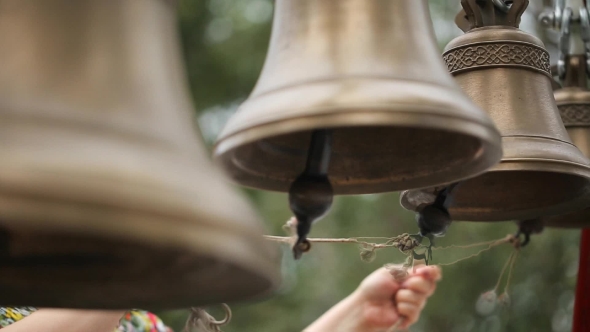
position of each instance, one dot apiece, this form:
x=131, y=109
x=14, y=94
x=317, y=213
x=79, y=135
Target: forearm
x=346, y=316
x=59, y=320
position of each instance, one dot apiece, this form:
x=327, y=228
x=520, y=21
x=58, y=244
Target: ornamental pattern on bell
x=493, y=54
x=575, y=114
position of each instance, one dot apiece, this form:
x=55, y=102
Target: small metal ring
x=501, y=4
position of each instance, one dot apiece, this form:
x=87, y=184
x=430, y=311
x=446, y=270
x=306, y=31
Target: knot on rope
x=406, y=243
x=515, y=241
x=201, y=321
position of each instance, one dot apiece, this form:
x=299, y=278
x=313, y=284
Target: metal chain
x=585, y=35
x=562, y=19
x=552, y=19
x=564, y=41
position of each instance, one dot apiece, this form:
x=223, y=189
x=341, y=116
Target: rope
x=201, y=321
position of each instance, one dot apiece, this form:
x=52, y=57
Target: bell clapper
x=526, y=228
x=434, y=219
x=311, y=194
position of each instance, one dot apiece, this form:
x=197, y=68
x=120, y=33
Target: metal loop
x=558, y=13
x=501, y=4
x=564, y=42
x=552, y=19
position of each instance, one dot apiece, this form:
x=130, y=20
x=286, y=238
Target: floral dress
x=132, y=321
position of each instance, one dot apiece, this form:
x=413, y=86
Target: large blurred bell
x=107, y=197
x=573, y=101
x=506, y=72
x=371, y=72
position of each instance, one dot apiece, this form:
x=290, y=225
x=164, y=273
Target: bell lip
x=246, y=251
x=574, y=220
x=489, y=137
x=378, y=102
x=521, y=165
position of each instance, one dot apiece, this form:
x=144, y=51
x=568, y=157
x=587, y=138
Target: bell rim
x=341, y=120
x=168, y=231
x=564, y=222
x=245, y=257
x=519, y=165
x=490, y=138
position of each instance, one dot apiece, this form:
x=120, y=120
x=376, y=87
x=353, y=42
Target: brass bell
x=573, y=101
x=371, y=73
x=506, y=72
x=107, y=197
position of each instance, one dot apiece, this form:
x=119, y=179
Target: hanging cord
x=201, y=321
x=406, y=243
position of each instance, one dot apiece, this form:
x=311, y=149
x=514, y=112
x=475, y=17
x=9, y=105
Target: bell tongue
x=491, y=13
x=311, y=194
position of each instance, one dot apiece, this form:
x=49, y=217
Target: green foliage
x=225, y=43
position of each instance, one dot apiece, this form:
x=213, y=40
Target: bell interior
x=365, y=159
x=74, y=271
x=507, y=195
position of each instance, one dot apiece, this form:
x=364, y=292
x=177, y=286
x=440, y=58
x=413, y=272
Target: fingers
x=423, y=280
x=409, y=305
x=409, y=311
x=429, y=272
x=411, y=297
x=420, y=285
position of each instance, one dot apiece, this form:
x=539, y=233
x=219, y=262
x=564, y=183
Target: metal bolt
x=547, y=19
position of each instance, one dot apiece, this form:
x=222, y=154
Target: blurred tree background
x=225, y=43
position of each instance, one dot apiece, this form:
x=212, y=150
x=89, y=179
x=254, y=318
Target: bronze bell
x=370, y=71
x=506, y=72
x=107, y=196
x=573, y=101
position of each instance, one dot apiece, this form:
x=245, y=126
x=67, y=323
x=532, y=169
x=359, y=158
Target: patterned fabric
x=133, y=321
x=11, y=315
x=141, y=321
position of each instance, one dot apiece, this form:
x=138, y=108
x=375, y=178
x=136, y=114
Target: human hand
x=385, y=300
x=380, y=302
